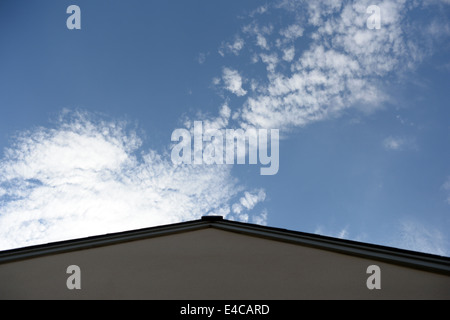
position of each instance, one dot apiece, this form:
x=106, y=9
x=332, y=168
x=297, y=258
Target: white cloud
x=392, y=143
x=271, y=61
x=262, y=41
x=233, y=81
x=87, y=177
x=234, y=47
x=399, y=143
x=260, y=33
x=260, y=10
x=341, y=234
x=237, y=208
x=260, y=219
x=292, y=32
x=214, y=123
x=249, y=200
x=289, y=54
x=344, y=66
x=216, y=81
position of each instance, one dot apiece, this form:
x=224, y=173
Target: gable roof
x=412, y=259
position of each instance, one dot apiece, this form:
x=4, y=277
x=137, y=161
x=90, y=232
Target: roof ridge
x=425, y=261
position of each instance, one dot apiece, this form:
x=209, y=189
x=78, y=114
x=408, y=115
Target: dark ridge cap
x=212, y=218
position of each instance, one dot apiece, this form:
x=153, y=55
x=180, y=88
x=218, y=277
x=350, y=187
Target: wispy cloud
x=201, y=57
x=245, y=204
x=391, y=143
x=446, y=187
x=86, y=177
x=260, y=10
x=416, y=236
x=410, y=235
x=341, y=234
x=249, y=201
x=259, y=34
x=234, y=48
x=399, y=143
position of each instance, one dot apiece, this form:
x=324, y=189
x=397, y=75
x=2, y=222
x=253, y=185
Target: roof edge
x=98, y=240
x=408, y=258
x=413, y=259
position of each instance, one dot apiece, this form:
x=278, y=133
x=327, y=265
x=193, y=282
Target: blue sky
x=86, y=117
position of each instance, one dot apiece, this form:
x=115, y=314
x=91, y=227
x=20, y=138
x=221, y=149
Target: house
x=217, y=259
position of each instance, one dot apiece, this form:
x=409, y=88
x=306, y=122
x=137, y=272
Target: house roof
x=417, y=260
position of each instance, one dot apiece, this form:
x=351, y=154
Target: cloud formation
x=86, y=177
x=233, y=82
x=343, y=65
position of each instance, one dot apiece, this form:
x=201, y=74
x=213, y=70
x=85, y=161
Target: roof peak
x=212, y=218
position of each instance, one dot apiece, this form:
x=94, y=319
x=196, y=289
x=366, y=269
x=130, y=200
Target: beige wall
x=213, y=264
